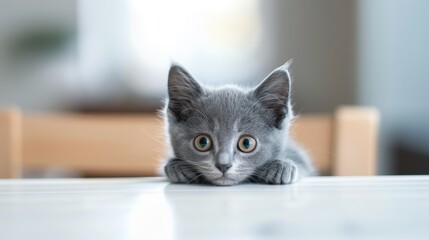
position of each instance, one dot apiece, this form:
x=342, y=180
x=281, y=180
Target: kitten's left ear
x=274, y=93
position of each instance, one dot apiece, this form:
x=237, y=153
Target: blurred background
x=113, y=56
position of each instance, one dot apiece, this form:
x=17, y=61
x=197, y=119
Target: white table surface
x=151, y=208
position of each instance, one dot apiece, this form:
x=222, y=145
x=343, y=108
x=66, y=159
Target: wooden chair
x=344, y=143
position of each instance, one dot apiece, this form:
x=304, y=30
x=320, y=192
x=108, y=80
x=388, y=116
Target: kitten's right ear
x=182, y=91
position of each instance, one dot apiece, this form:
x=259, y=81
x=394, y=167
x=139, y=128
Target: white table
x=151, y=208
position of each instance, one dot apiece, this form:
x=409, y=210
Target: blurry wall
x=320, y=36
x=393, y=50
x=116, y=58
x=37, y=54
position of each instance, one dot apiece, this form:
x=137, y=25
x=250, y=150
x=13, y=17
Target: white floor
x=150, y=208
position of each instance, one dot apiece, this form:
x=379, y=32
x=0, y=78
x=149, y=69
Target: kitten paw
x=278, y=172
x=179, y=171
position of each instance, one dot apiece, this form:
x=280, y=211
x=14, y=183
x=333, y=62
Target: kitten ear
x=274, y=93
x=182, y=91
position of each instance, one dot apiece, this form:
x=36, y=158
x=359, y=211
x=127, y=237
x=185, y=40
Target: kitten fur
x=226, y=114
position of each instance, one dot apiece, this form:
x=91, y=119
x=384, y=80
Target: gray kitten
x=230, y=135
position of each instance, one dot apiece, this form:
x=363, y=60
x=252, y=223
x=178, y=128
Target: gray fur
x=225, y=114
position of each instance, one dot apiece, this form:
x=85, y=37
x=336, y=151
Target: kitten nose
x=223, y=167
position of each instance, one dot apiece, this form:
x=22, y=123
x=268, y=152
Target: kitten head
x=227, y=133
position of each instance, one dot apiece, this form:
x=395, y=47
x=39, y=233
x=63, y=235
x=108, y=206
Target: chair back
x=344, y=143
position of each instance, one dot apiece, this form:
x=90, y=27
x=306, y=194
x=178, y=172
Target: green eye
x=203, y=143
x=247, y=144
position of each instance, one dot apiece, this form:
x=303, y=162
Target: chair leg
x=10, y=143
x=355, y=141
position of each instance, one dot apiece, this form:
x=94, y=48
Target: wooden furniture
x=342, y=144
x=377, y=207
x=10, y=144
x=134, y=145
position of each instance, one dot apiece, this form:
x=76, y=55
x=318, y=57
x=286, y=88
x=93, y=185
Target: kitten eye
x=246, y=144
x=202, y=143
